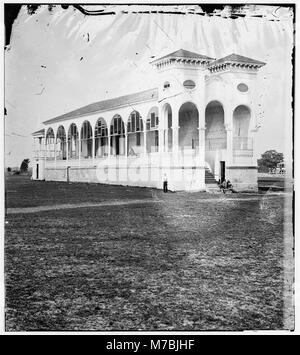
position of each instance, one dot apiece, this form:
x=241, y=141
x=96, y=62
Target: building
x=197, y=126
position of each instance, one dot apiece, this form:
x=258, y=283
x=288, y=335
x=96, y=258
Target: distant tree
x=269, y=160
x=24, y=166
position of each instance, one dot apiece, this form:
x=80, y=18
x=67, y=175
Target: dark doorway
x=222, y=170
x=37, y=171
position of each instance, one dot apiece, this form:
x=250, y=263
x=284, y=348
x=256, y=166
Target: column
x=161, y=125
x=228, y=118
x=175, y=129
x=254, y=151
x=55, y=143
x=45, y=152
x=161, y=140
x=229, y=137
x=108, y=148
x=93, y=148
x=201, y=106
x=145, y=141
x=126, y=145
x=79, y=147
x=166, y=139
x=175, y=135
x=67, y=150
x=43, y=157
x=201, y=159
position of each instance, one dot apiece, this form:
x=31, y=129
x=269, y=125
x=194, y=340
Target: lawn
x=184, y=262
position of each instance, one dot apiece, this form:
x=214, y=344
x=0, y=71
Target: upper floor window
x=242, y=87
x=117, y=126
x=152, y=121
x=189, y=84
x=101, y=128
x=135, y=123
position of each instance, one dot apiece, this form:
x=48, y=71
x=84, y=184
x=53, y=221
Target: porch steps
x=211, y=183
x=209, y=177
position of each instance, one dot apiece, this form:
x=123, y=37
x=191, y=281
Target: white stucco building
x=197, y=126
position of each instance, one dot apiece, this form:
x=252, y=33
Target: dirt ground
x=147, y=261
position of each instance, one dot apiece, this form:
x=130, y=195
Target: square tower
x=180, y=72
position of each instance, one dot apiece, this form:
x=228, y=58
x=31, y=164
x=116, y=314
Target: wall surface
x=243, y=178
x=188, y=179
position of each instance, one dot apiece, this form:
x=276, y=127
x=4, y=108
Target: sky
x=60, y=60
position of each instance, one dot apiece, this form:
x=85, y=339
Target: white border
x=296, y=175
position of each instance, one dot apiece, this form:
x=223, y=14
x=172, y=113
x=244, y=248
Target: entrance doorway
x=222, y=171
x=37, y=171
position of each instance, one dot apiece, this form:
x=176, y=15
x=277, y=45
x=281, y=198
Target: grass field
x=184, y=262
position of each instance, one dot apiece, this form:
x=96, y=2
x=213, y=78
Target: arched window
x=152, y=119
x=73, y=142
x=50, y=144
x=135, y=128
x=135, y=123
x=152, y=130
x=101, y=138
x=86, y=138
x=61, y=144
x=117, y=133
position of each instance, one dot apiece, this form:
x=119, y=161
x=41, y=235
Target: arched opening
x=86, y=138
x=152, y=130
x=215, y=139
x=117, y=136
x=50, y=144
x=73, y=142
x=241, y=123
x=215, y=133
x=135, y=134
x=101, y=138
x=61, y=144
x=188, y=137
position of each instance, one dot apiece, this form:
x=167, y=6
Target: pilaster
x=202, y=145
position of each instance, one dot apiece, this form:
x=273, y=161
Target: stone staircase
x=210, y=182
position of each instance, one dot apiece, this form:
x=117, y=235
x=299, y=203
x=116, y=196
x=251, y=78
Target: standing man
x=165, y=183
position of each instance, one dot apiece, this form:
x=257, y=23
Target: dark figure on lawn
x=223, y=186
x=230, y=186
x=165, y=183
